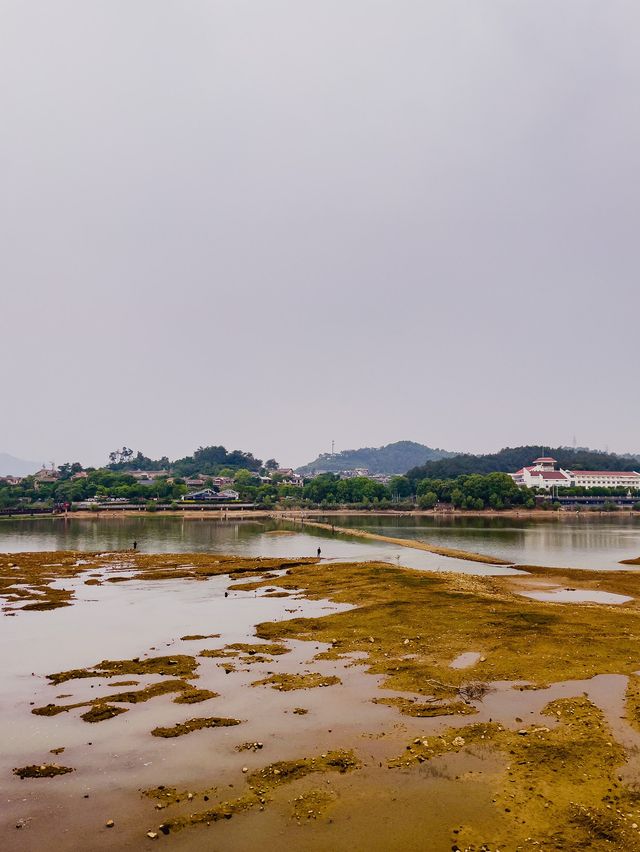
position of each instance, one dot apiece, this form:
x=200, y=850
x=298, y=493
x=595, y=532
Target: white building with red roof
x=543, y=474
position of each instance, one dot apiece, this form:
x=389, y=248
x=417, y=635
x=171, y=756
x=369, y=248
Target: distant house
x=210, y=494
x=196, y=482
x=81, y=474
x=143, y=476
x=46, y=474
x=288, y=476
x=11, y=480
x=220, y=481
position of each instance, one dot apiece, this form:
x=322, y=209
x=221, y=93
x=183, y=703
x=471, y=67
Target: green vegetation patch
x=190, y=725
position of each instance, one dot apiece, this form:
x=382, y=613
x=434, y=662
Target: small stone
x=483, y=659
x=458, y=742
x=109, y=823
x=245, y=768
x=152, y=835
x=189, y=796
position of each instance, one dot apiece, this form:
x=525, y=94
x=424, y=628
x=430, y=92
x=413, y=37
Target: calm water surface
x=594, y=542
x=588, y=542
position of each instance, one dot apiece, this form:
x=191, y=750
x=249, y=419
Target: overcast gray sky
x=275, y=223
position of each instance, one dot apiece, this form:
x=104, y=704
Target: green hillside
x=392, y=458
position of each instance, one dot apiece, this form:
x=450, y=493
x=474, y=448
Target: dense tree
x=392, y=458
x=513, y=458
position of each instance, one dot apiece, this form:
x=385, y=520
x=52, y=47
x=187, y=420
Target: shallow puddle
x=577, y=596
x=465, y=660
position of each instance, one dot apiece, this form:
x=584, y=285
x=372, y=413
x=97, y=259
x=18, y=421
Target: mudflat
x=341, y=705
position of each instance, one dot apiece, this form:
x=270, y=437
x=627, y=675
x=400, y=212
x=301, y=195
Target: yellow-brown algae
x=26, y=579
x=632, y=701
x=313, y=803
x=43, y=770
x=286, y=682
x=559, y=788
x=187, y=695
x=194, y=696
x=426, y=709
x=260, y=784
x=419, y=621
x=178, y=665
x=193, y=637
x=100, y=712
x=190, y=725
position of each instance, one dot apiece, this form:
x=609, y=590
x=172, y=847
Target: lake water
x=594, y=542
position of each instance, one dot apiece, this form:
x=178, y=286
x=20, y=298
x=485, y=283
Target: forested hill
x=511, y=459
x=392, y=458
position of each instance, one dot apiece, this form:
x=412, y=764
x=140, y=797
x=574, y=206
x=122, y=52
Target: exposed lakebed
x=325, y=713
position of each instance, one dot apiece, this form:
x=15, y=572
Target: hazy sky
x=275, y=223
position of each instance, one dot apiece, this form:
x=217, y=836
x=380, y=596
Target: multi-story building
x=543, y=474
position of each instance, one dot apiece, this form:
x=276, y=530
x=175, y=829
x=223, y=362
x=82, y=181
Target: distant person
x=319, y=552
x=135, y=545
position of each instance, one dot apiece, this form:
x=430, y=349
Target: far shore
x=298, y=515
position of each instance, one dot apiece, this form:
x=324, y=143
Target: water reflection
x=586, y=542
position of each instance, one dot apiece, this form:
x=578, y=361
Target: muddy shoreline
x=301, y=514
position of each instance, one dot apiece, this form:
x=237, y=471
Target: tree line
x=511, y=459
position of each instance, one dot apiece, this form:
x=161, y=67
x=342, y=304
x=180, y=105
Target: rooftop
x=605, y=473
